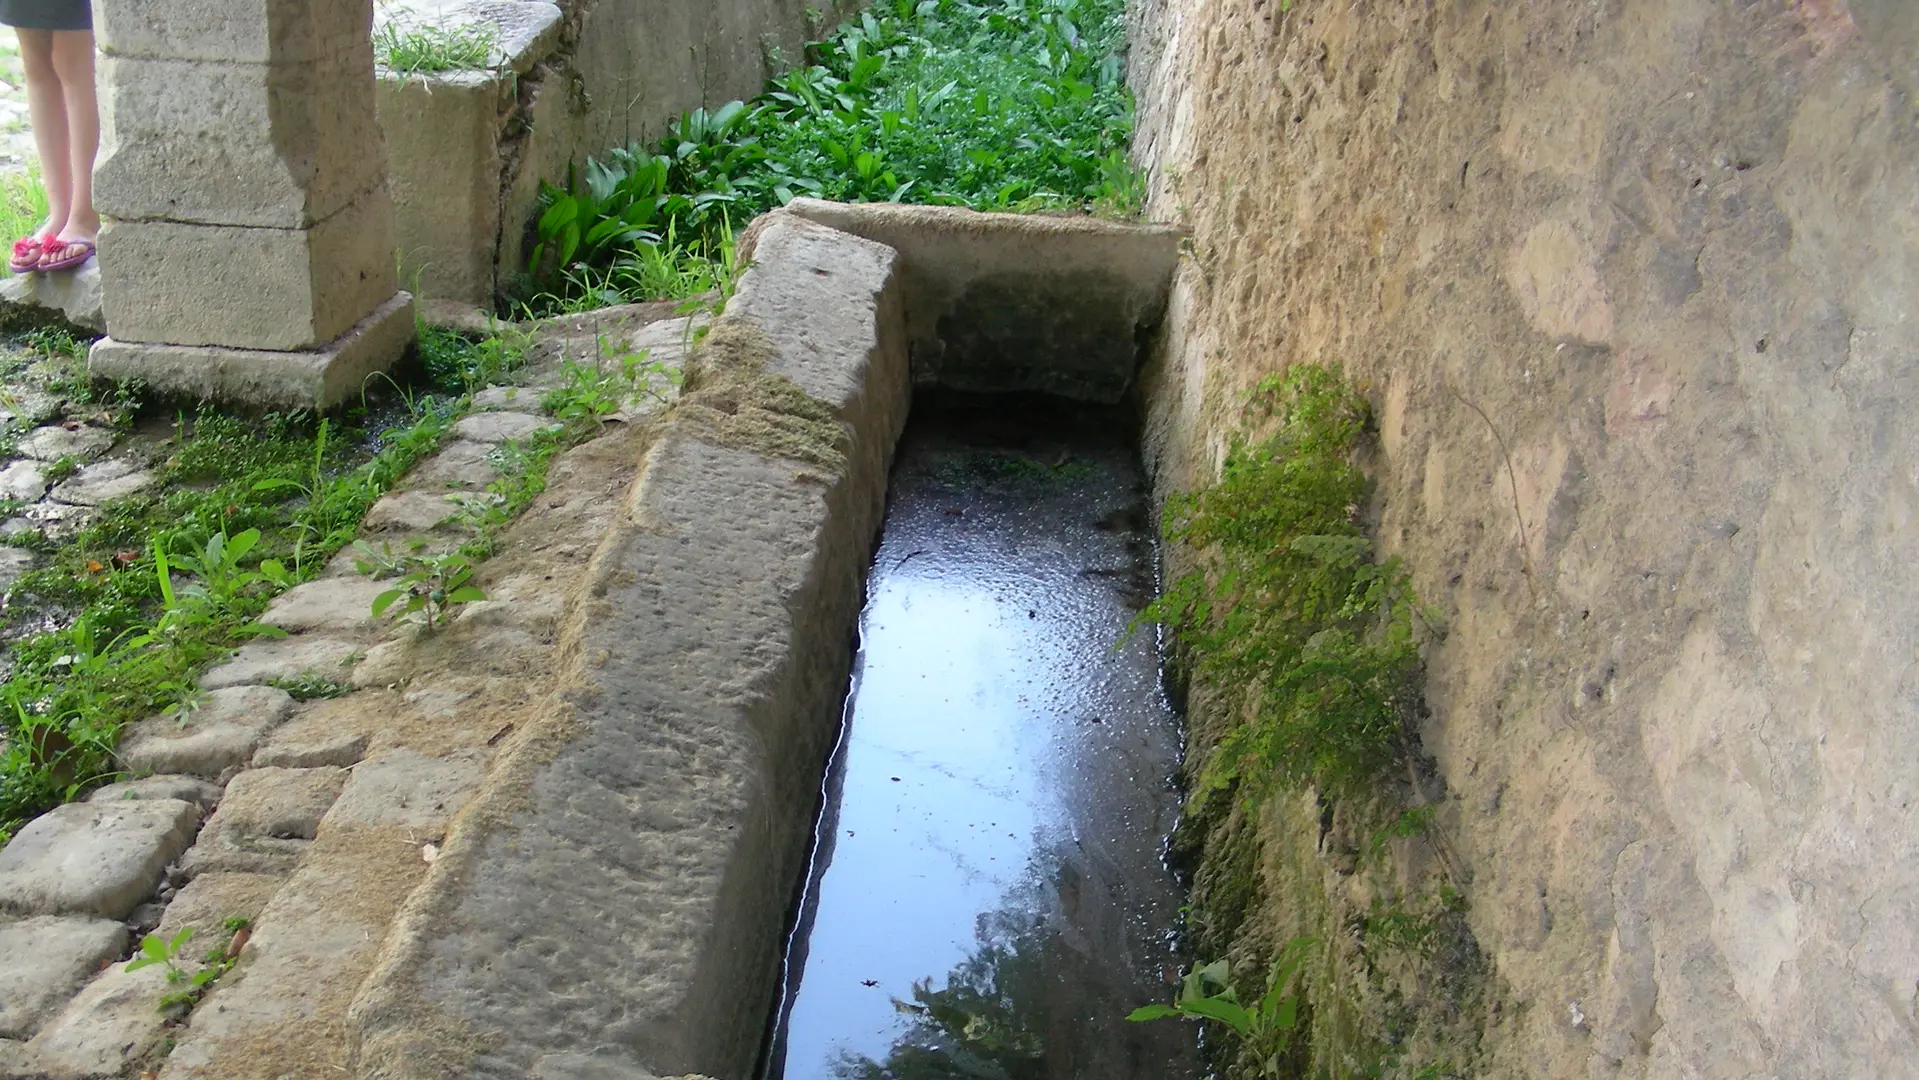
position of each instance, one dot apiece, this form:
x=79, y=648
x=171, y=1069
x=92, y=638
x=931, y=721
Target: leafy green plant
x=603, y=209
x=429, y=590
x=1122, y=188
x=1267, y=1027
x=56, y=343
x=1002, y=104
x=312, y=687
x=218, y=567
x=459, y=362
x=1287, y=610
x=184, y=987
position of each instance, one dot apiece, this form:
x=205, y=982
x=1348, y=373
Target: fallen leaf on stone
x=429, y=852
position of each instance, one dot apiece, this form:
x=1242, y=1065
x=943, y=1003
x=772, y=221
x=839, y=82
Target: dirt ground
x=1630, y=284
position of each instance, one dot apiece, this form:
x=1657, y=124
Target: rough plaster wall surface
x=1633, y=285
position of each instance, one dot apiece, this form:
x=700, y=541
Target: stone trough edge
x=411, y=1014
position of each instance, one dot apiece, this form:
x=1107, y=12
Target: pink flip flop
x=69, y=262
x=26, y=255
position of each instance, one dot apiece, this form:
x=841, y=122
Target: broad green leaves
x=1005, y=104
x=1269, y=1026
x=429, y=588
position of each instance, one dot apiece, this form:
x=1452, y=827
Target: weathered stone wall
x=469, y=150
x=1631, y=281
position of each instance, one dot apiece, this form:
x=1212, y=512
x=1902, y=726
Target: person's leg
x=47, y=110
x=73, y=64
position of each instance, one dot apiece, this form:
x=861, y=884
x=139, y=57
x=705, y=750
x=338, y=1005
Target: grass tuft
x=426, y=50
x=23, y=207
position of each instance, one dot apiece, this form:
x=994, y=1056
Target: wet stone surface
x=989, y=861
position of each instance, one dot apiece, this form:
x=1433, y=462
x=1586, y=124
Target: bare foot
x=68, y=251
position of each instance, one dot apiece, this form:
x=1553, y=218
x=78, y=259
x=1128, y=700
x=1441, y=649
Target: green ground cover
x=119, y=617
x=997, y=105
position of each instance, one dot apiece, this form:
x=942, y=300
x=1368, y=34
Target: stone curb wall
x=663, y=799
x=1038, y=302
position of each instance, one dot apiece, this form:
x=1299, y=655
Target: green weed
x=522, y=466
x=160, y=585
x=588, y=394
x=460, y=364
x=1288, y=610
x=185, y=988
x=23, y=206
x=429, y=588
x=1268, y=1028
x=311, y=687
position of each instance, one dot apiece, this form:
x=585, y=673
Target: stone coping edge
x=639, y=842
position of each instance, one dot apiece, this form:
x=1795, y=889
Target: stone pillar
x=248, y=250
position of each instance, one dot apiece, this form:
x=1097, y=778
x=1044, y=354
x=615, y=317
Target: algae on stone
x=728, y=397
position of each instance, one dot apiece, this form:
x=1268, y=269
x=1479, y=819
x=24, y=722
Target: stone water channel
x=987, y=896
x=619, y=752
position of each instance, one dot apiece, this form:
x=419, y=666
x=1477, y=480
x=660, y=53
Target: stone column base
x=315, y=379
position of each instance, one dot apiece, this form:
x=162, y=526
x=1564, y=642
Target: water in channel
x=987, y=897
